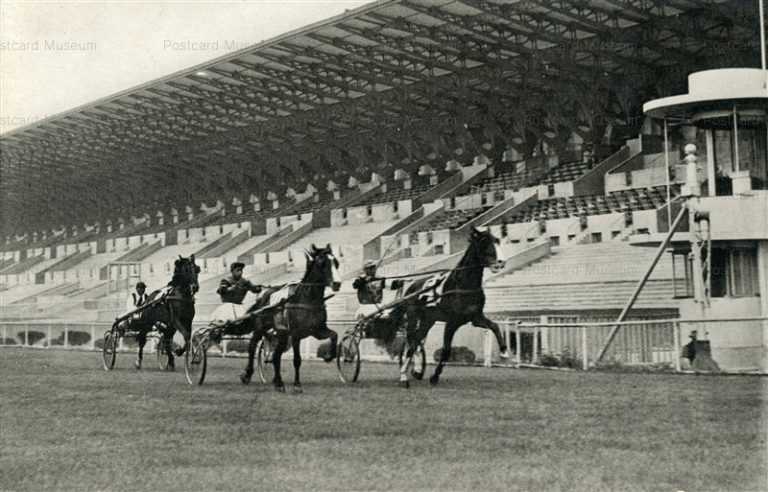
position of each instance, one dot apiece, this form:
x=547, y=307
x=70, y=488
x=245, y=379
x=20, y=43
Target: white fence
x=545, y=342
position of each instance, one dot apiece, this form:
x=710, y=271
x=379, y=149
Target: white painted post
x=584, y=357
x=519, y=345
x=544, y=334
x=50, y=330
x=506, y=333
x=535, y=358
x=66, y=336
x=26, y=335
x=487, y=362
x=93, y=337
x=676, y=343
x=224, y=348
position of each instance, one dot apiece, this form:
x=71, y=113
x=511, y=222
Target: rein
x=430, y=272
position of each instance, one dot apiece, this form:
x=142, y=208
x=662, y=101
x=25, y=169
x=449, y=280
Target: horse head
x=488, y=249
x=185, y=273
x=323, y=267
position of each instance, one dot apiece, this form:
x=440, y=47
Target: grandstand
x=402, y=124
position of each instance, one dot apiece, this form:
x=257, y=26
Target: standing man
x=232, y=290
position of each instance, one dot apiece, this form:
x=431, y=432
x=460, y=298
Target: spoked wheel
x=348, y=358
x=264, y=353
x=162, y=353
x=196, y=359
x=419, y=366
x=109, y=350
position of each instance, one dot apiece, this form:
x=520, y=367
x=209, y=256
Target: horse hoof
x=434, y=380
x=137, y=365
x=405, y=384
x=245, y=378
x=280, y=388
x=297, y=388
x=504, y=355
x=418, y=375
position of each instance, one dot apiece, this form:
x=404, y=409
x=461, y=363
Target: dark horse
x=169, y=310
x=299, y=312
x=461, y=300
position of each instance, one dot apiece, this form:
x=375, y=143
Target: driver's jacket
x=370, y=290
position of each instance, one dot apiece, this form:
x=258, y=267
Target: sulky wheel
x=419, y=366
x=264, y=353
x=348, y=358
x=196, y=359
x=109, y=350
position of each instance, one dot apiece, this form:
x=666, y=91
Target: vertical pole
x=535, y=357
x=584, y=355
x=224, y=348
x=93, y=337
x=676, y=343
x=66, y=336
x=762, y=35
x=518, y=348
x=711, y=175
x=50, y=331
x=544, y=334
x=487, y=349
x=736, y=139
x=26, y=335
x=506, y=334
x=666, y=160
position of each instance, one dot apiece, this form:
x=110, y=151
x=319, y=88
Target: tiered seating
x=591, y=276
x=23, y=265
x=618, y=201
x=394, y=195
x=509, y=180
x=313, y=205
x=450, y=219
x=567, y=171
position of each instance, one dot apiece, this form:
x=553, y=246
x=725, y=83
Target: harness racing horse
x=298, y=312
x=460, y=301
x=170, y=309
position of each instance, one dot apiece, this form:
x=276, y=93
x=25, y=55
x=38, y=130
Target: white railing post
x=487, y=362
x=535, y=356
x=676, y=347
x=544, y=334
x=584, y=355
x=519, y=344
x=506, y=333
x=26, y=335
x=224, y=344
x=66, y=336
x=50, y=331
x=93, y=337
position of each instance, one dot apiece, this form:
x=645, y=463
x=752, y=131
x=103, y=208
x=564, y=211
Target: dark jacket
x=234, y=291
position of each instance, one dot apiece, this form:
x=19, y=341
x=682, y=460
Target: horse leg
x=245, y=377
x=185, y=328
x=142, y=339
x=296, y=343
x=324, y=333
x=282, y=344
x=167, y=342
x=450, y=330
x=483, y=322
x=414, y=323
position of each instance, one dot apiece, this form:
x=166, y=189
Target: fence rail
x=557, y=342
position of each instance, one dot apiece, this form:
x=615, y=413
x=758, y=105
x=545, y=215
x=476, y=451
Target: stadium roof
x=396, y=81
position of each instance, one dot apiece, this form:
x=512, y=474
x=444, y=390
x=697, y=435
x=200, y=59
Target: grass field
x=65, y=424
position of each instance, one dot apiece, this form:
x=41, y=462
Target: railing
x=538, y=342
